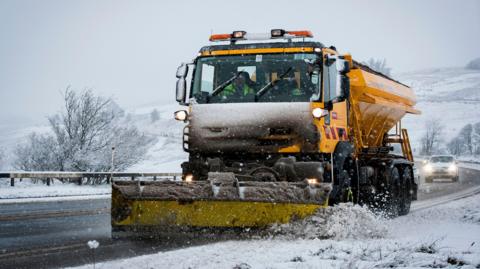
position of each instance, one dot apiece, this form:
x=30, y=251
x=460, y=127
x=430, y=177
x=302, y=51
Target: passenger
x=291, y=85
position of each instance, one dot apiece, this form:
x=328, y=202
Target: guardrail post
x=154, y=178
x=133, y=178
x=80, y=179
x=109, y=177
x=48, y=181
x=12, y=182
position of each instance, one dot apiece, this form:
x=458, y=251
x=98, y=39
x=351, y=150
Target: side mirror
x=344, y=87
x=181, y=90
x=343, y=66
x=330, y=59
x=182, y=70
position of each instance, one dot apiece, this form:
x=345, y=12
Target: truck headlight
x=189, y=178
x=318, y=112
x=181, y=115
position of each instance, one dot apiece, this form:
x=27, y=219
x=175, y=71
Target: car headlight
x=452, y=168
x=428, y=168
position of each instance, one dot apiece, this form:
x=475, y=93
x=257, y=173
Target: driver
x=239, y=86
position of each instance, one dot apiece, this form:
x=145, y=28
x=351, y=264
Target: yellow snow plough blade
x=212, y=204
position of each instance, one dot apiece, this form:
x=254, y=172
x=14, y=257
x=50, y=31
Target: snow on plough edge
x=221, y=201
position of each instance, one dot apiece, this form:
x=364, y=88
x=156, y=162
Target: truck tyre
x=342, y=173
x=406, y=191
x=391, y=192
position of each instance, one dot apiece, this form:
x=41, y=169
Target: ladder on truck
x=401, y=137
x=407, y=150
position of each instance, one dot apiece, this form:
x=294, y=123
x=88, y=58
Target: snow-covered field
x=442, y=236
x=167, y=154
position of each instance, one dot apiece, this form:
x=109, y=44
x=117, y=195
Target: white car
x=440, y=166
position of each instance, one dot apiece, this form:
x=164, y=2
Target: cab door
x=334, y=125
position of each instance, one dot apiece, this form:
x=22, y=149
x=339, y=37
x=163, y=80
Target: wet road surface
x=55, y=233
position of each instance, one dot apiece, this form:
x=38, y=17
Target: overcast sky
x=130, y=50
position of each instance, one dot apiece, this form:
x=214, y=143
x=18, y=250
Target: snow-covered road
x=438, y=233
x=436, y=229
x=446, y=235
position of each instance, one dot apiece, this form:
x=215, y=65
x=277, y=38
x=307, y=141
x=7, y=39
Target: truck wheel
x=406, y=191
x=391, y=193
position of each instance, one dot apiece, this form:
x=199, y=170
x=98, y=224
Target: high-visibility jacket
x=230, y=90
x=296, y=92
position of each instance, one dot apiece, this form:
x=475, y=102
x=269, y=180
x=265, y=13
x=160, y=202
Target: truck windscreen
x=256, y=78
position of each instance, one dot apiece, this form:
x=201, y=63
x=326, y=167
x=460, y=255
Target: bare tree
x=463, y=143
x=474, y=64
x=430, y=141
x=466, y=137
x=2, y=158
x=82, y=137
x=476, y=138
x=455, y=146
x=379, y=66
x=154, y=115
x=40, y=152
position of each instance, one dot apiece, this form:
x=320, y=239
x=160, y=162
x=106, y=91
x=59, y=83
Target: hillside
x=449, y=95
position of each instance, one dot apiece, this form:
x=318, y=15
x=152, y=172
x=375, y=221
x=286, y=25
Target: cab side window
x=330, y=81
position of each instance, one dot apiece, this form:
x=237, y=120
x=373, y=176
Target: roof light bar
x=303, y=33
x=220, y=37
x=274, y=34
x=277, y=33
x=238, y=34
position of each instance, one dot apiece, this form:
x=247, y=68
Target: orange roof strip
x=256, y=51
x=220, y=37
x=304, y=33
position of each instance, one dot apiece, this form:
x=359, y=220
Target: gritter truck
x=276, y=127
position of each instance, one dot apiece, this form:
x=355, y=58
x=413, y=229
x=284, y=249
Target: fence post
x=133, y=178
x=12, y=182
x=109, y=177
x=154, y=178
x=48, y=181
x=80, y=179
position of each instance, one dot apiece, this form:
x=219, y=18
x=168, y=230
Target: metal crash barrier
x=79, y=176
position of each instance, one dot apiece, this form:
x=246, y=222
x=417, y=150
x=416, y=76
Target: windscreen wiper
x=267, y=87
x=222, y=86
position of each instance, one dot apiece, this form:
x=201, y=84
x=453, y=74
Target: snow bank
x=343, y=221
